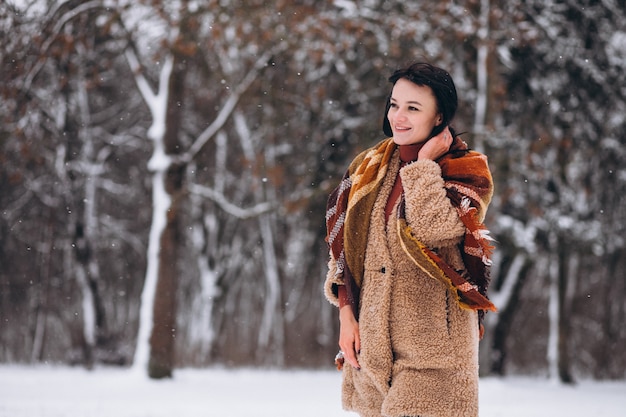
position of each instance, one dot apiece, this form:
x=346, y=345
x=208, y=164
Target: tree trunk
x=81, y=192
x=40, y=301
x=272, y=322
x=499, y=324
x=161, y=363
x=553, y=317
x=565, y=374
x=482, y=76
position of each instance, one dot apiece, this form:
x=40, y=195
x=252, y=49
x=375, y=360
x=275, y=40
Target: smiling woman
x=409, y=258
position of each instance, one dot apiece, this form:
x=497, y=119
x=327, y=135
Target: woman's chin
x=399, y=140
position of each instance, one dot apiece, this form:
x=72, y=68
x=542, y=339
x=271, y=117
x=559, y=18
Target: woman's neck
x=408, y=153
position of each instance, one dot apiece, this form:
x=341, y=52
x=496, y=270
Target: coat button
x=382, y=270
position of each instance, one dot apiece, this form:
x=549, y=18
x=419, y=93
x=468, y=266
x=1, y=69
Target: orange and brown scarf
x=469, y=187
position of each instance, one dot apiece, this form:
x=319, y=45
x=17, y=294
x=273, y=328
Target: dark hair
x=439, y=81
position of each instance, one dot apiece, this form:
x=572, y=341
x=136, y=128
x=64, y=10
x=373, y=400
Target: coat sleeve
x=332, y=282
x=430, y=213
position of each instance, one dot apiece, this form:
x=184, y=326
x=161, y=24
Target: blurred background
x=164, y=169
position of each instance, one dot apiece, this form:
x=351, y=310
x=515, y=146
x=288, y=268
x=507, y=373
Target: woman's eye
x=413, y=108
x=393, y=105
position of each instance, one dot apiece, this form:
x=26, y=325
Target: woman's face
x=413, y=112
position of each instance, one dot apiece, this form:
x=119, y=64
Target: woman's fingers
x=349, y=337
x=350, y=343
x=436, y=146
x=350, y=354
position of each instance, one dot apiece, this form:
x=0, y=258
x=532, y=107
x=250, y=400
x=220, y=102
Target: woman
x=409, y=259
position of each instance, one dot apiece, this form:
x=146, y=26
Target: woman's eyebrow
x=409, y=102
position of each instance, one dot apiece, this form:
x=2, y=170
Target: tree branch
x=96, y=4
x=231, y=103
x=230, y=208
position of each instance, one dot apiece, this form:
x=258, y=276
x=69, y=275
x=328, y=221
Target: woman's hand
x=349, y=337
x=436, y=146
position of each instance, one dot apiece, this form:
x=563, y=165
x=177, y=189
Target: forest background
x=164, y=169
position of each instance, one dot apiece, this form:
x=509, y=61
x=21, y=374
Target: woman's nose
x=400, y=115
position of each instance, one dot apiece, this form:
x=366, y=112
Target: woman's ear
x=439, y=119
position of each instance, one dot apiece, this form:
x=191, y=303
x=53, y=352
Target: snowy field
x=108, y=392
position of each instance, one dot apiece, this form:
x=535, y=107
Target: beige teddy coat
x=419, y=349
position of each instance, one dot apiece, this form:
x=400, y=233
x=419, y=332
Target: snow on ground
x=109, y=392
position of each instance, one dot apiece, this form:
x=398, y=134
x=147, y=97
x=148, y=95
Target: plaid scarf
x=469, y=187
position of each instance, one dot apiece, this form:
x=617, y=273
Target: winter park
x=165, y=170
